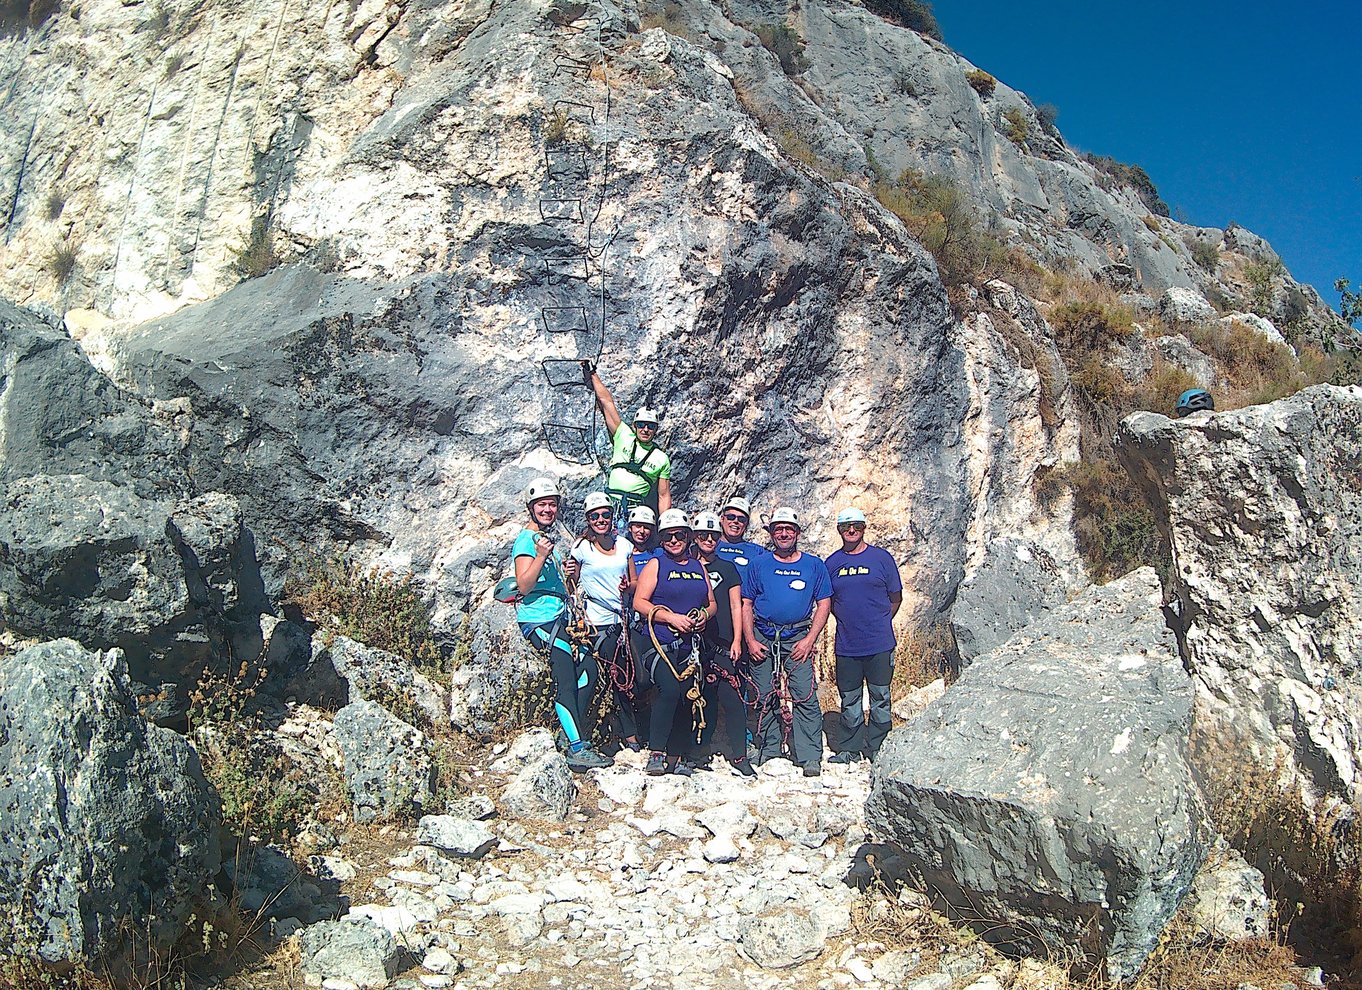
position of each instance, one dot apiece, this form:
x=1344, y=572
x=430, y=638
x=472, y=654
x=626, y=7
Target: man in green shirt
x=640, y=471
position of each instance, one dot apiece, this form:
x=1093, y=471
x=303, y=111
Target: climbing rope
x=694, y=695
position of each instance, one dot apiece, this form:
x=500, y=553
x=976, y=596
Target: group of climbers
x=701, y=628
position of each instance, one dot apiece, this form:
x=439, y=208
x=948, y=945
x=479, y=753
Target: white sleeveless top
x=600, y=579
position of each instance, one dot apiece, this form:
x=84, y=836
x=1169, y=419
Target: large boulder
x=172, y=583
x=1262, y=509
x=1048, y=792
x=108, y=829
x=387, y=766
x=342, y=670
x=1016, y=582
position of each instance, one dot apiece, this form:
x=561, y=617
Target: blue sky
x=1248, y=112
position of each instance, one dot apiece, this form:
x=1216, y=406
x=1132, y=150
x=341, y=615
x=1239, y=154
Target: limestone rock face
x=386, y=764
x=106, y=822
x=1263, y=511
x=1016, y=583
x=1066, y=748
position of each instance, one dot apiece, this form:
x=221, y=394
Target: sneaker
x=681, y=768
x=633, y=745
x=657, y=765
x=843, y=758
x=588, y=759
x=813, y=770
x=743, y=766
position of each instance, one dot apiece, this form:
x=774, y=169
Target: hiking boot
x=813, y=770
x=657, y=765
x=633, y=745
x=743, y=766
x=681, y=768
x=844, y=758
x=587, y=759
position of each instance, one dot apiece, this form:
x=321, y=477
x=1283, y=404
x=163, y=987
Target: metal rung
x=562, y=373
x=568, y=442
x=571, y=65
x=565, y=163
x=558, y=270
x=564, y=210
x=583, y=113
x=564, y=319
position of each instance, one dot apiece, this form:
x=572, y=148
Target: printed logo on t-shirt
x=715, y=577
x=684, y=576
x=798, y=585
x=850, y=571
x=786, y=572
x=740, y=560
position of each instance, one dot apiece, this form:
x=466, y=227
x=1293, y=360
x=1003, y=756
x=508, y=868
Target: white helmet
x=707, y=522
x=785, y=514
x=673, y=519
x=642, y=514
x=850, y=514
x=541, y=488
x=596, y=500
x=739, y=503
x=646, y=415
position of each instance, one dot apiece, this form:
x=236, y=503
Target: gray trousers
x=806, y=730
x=875, y=672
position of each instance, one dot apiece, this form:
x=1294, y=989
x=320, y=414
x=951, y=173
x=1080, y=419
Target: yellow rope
x=694, y=695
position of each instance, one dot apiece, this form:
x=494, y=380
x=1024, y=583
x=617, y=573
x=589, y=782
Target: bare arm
x=754, y=645
x=735, y=609
x=664, y=495
x=820, y=618
x=895, y=600
x=528, y=569
x=606, y=402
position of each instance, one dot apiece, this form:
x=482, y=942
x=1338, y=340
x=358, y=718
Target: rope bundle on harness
x=694, y=695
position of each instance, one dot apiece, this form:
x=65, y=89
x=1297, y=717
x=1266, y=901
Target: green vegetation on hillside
x=1121, y=174
x=785, y=43
x=915, y=15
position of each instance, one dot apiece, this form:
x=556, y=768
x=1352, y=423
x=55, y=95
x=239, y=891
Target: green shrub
x=1088, y=327
x=1018, y=129
x=1206, y=256
x=938, y=214
x=1113, y=525
x=54, y=205
x=983, y=83
x=916, y=15
x=378, y=609
x=1262, y=278
x=61, y=261
x=786, y=45
x=257, y=255
x=1111, y=171
x=1048, y=114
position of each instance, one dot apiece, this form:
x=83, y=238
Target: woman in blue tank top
x=676, y=601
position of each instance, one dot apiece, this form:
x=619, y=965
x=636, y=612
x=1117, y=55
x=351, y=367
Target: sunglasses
x=846, y=526
x=706, y=536
x=734, y=517
x=784, y=529
x=675, y=536
x=645, y=426
x=594, y=516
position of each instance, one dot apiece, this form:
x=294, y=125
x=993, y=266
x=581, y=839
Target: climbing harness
x=778, y=635
x=694, y=695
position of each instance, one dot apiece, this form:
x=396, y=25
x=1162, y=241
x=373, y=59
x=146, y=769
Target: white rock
x=860, y=969
x=721, y=850
x=439, y=960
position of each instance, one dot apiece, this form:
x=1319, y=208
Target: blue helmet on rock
x=1194, y=400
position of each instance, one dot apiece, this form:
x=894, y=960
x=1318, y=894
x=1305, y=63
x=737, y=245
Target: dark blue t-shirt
x=784, y=593
x=740, y=554
x=861, y=586
x=680, y=588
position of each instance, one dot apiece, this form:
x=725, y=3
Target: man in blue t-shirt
x=786, y=597
x=733, y=545
x=866, y=594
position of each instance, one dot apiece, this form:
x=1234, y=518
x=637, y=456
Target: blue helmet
x=1194, y=400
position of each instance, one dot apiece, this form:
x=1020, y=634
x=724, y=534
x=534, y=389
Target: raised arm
x=606, y=402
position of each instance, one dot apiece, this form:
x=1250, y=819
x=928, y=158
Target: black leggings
x=669, y=726
x=574, y=679
x=721, y=686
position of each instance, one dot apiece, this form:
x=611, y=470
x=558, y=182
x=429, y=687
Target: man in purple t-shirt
x=866, y=595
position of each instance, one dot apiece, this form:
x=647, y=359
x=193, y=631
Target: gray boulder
x=269, y=884
x=363, y=954
x=1048, y=791
x=1180, y=352
x=387, y=767
x=172, y=584
x=342, y=670
x=543, y=789
x=1228, y=900
x=108, y=829
x=1179, y=305
x=1262, y=508
x=1016, y=582
x=783, y=940
x=452, y=834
